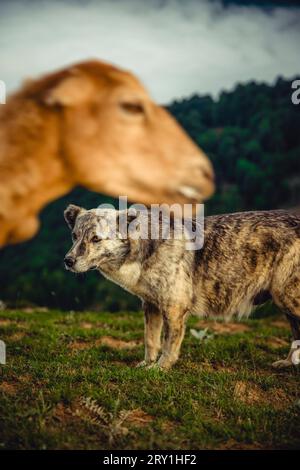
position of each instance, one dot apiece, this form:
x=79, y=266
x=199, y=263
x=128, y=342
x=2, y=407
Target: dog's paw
x=154, y=366
x=159, y=366
x=282, y=364
x=141, y=364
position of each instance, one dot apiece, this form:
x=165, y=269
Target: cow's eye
x=132, y=108
x=96, y=239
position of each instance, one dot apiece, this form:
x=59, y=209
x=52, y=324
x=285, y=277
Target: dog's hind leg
x=293, y=357
x=286, y=295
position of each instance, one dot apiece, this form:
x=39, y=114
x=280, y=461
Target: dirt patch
x=8, y=388
x=121, y=363
x=223, y=328
x=279, y=398
x=80, y=345
x=17, y=382
x=22, y=325
x=86, y=325
x=212, y=366
x=111, y=425
x=115, y=343
x=62, y=413
x=247, y=393
x=191, y=366
x=280, y=324
x=89, y=326
x=25, y=379
x=250, y=393
x=275, y=342
x=19, y=323
x=139, y=418
x=108, y=341
x=35, y=309
x=17, y=336
x=6, y=322
x=168, y=426
x=235, y=445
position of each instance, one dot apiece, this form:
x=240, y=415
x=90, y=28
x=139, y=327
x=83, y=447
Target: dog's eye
x=96, y=239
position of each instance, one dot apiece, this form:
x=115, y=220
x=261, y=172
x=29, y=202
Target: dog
x=246, y=258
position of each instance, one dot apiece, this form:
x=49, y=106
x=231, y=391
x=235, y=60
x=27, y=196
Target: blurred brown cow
x=92, y=125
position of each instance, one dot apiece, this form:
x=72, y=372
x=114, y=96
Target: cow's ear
x=73, y=89
x=71, y=214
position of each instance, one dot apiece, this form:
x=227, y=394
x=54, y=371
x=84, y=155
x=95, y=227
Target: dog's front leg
x=174, y=328
x=153, y=327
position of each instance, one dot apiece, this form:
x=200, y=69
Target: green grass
x=63, y=388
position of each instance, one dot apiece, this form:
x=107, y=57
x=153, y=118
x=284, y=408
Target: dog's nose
x=69, y=261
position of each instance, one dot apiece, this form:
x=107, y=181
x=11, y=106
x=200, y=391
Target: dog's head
x=97, y=239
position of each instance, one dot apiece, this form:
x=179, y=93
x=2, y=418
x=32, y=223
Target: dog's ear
x=73, y=89
x=131, y=217
x=71, y=214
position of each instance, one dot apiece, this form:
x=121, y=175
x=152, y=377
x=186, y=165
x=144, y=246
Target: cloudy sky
x=176, y=47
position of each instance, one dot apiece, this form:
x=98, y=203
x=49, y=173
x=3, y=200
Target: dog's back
x=246, y=255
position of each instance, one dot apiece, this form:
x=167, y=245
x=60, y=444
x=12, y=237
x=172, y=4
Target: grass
x=70, y=383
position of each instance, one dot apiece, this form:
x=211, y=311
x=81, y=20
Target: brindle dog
x=246, y=258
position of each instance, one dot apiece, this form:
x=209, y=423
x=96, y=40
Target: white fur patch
x=245, y=308
x=129, y=273
x=127, y=276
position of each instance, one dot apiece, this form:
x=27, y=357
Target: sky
x=177, y=48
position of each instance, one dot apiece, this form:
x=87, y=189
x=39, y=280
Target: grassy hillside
x=70, y=382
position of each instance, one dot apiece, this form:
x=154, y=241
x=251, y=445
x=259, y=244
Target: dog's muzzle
x=69, y=261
